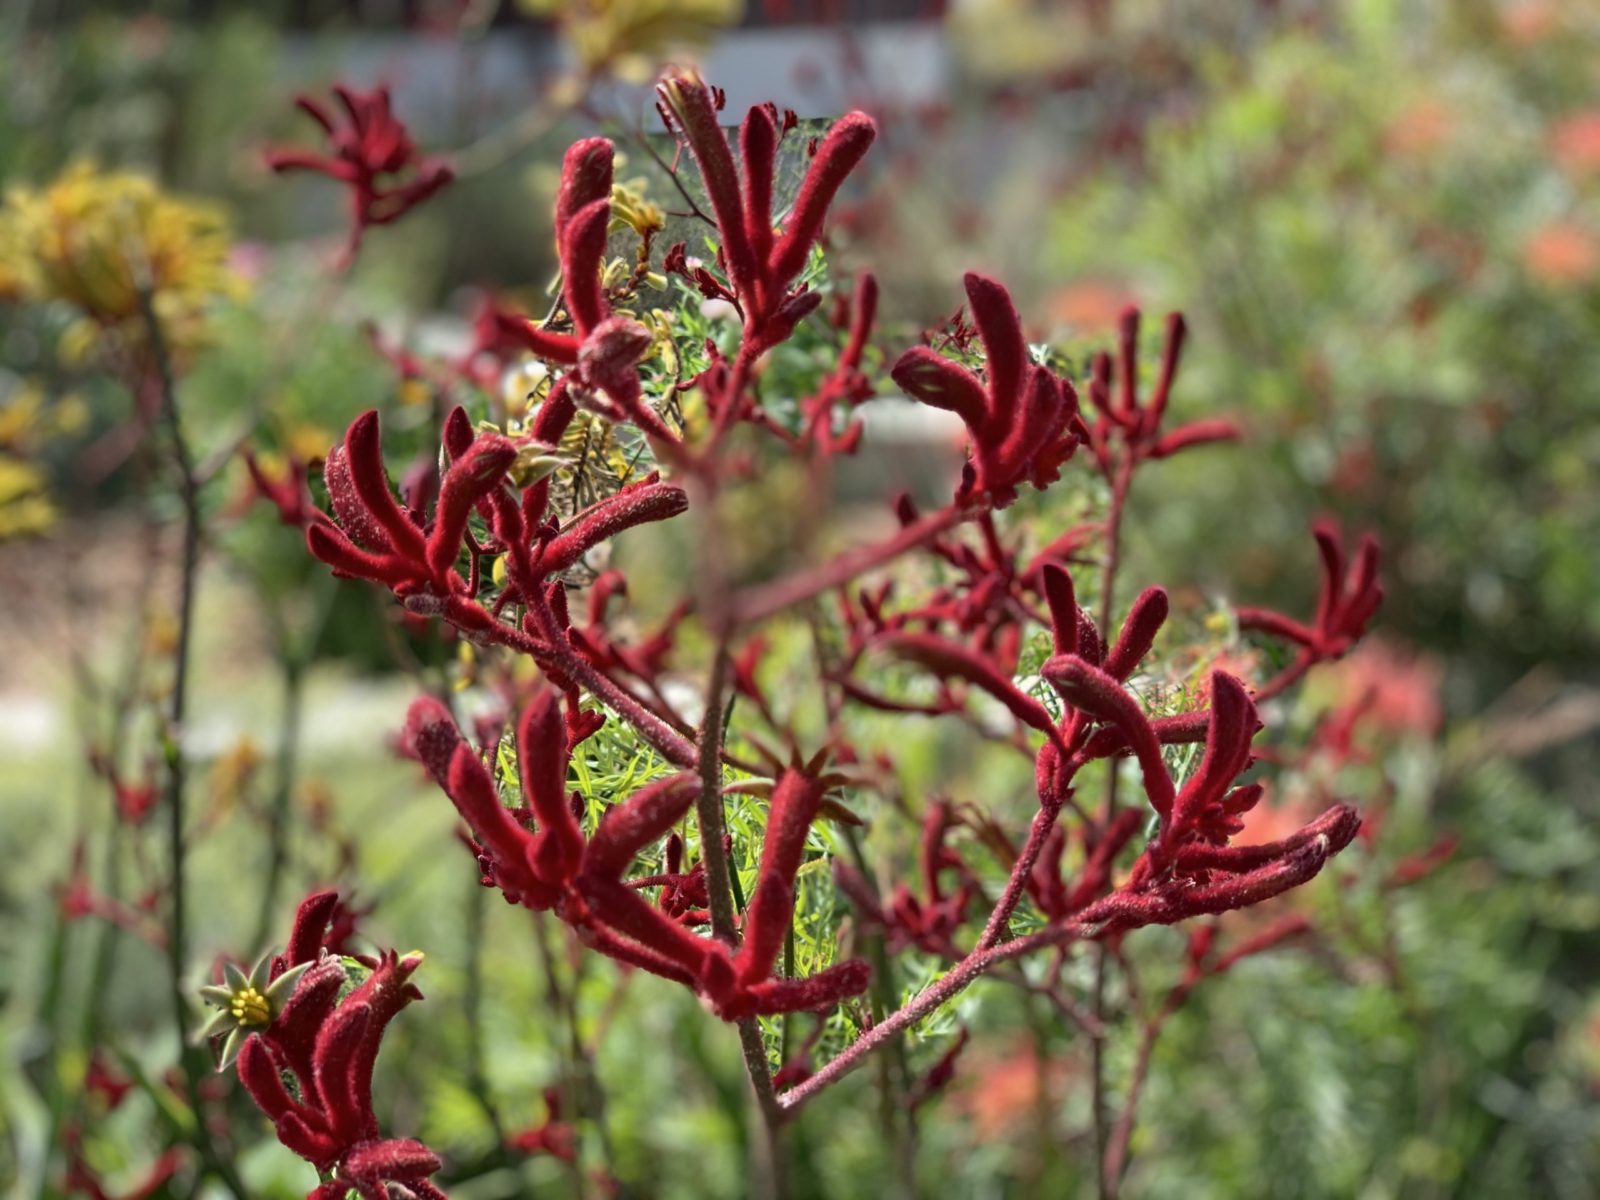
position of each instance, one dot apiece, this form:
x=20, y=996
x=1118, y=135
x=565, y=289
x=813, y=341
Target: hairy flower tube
x=604, y=348
x=762, y=263
x=556, y=866
x=1023, y=419
x=307, y=1052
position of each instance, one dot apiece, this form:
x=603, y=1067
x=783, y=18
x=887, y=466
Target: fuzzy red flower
x=372, y=154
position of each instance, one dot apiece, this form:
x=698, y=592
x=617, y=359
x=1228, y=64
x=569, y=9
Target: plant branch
x=177, y=712
x=759, y=603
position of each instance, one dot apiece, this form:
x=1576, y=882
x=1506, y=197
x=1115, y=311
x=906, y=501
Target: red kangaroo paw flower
x=691, y=104
x=1264, y=620
x=364, y=457
x=1103, y=697
x=841, y=151
x=586, y=172
x=1196, y=433
x=759, y=270
x=758, y=148
x=340, y=553
x=946, y=659
x=542, y=760
x=646, y=817
x=293, y=1033
x=815, y=993
x=1062, y=600
x=330, y=1048
x=457, y=769
x=470, y=477
x=583, y=246
x=338, y=1043
x=260, y=1077
x=935, y=380
x=1336, y=827
x=1023, y=425
x=1227, y=754
x=1346, y=603
x=558, y=348
x=626, y=913
x=372, y=154
x=632, y=506
x=1138, y=634
x=1156, y=409
x=348, y=506
x=311, y=921
x=795, y=801
x=1005, y=348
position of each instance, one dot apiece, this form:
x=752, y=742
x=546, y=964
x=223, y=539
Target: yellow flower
x=93, y=239
x=25, y=506
x=631, y=209
x=629, y=37
x=233, y=773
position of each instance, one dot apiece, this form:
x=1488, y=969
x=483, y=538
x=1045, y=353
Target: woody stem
x=189, y=569
x=927, y=1001
x=1120, y=482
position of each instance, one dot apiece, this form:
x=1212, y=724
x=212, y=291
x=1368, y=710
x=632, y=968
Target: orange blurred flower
x=1528, y=22
x=1090, y=305
x=1575, y=142
x=1562, y=252
x=1423, y=127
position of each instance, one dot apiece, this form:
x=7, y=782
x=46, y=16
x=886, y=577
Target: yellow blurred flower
x=232, y=774
x=631, y=209
x=94, y=238
x=25, y=506
x=29, y=418
x=307, y=441
x=629, y=38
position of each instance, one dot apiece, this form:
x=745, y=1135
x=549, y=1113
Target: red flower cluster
x=555, y=867
x=325, y=1047
x=1134, y=423
x=1188, y=867
x=489, y=502
x=929, y=921
x=371, y=151
x=1023, y=421
x=603, y=348
x=1348, y=599
x=379, y=539
x=761, y=264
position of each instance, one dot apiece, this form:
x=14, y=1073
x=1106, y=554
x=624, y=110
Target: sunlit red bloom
x=1022, y=419
x=326, y=1039
x=760, y=261
x=550, y=863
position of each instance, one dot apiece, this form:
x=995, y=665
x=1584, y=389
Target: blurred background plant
x=1380, y=218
